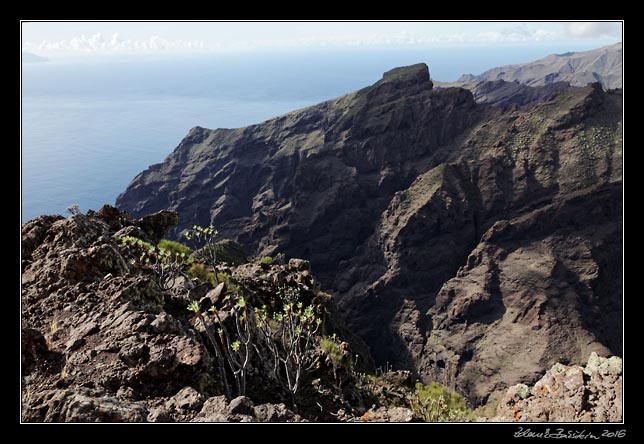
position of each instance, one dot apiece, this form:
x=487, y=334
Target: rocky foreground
x=590, y=393
x=102, y=342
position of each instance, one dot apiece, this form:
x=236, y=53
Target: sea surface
x=89, y=125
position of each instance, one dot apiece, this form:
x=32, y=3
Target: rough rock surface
x=387, y=414
x=102, y=343
x=568, y=394
x=456, y=236
x=501, y=93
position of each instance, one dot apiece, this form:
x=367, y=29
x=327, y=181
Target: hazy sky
x=75, y=38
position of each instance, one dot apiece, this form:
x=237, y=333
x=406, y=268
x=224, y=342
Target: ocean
x=89, y=125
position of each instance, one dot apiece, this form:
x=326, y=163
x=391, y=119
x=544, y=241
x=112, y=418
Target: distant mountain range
x=28, y=57
x=602, y=65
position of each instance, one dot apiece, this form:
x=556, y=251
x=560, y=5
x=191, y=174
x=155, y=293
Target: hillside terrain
x=468, y=244
x=106, y=338
x=603, y=65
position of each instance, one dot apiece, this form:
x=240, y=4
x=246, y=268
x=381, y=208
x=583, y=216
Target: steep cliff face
x=313, y=181
x=472, y=245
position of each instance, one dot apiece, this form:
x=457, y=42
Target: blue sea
x=89, y=125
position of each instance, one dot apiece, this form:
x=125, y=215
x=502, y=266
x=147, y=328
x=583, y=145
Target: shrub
x=266, y=260
x=291, y=335
x=280, y=258
x=134, y=243
x=204, y=240
x=230, y=284
x=488, y=410
x=201, y=272
x=219, y=354
x=165, y=265
x=435, y=403
x=174, y=248
x=334, y=351
x=391, y=389
x=231, y=349
x=339, y=358
x=226, y=251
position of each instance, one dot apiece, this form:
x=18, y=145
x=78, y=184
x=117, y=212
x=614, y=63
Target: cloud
x=508, y=33
x=594, y=29
x=99, y=43
x=517, y=34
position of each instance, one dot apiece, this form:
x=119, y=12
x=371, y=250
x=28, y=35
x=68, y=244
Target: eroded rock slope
x=472, y=245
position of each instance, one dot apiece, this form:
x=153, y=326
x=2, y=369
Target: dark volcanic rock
x=501, y=93
x=87, y=330
x=102, y=343
x=450, y=231
x=155, y=226
x=313, y=181
x=502, y=315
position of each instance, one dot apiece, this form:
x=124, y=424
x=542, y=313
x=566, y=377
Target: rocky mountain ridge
x=603, y=65
x=454, y=235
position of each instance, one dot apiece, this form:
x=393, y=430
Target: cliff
x=468, y=244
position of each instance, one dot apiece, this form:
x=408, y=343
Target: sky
x=83, y=38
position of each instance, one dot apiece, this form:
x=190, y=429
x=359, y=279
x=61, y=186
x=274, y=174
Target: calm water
x=89, y=127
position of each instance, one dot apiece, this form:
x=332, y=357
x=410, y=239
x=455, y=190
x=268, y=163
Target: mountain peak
x=419, y=72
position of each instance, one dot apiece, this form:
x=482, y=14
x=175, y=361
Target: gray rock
x=214, y=295
x=387, y=414
x=158, y=414
x=215, y=409
x=568, y=394
x=187, y=399
x=241, y=405
x=33, y=233
x=274, y=413
x=165, y=323
x=130, y=230
x=82, y=405
x=516, y=392
x=133, y=351
x=74, y=343
x=299, y=264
